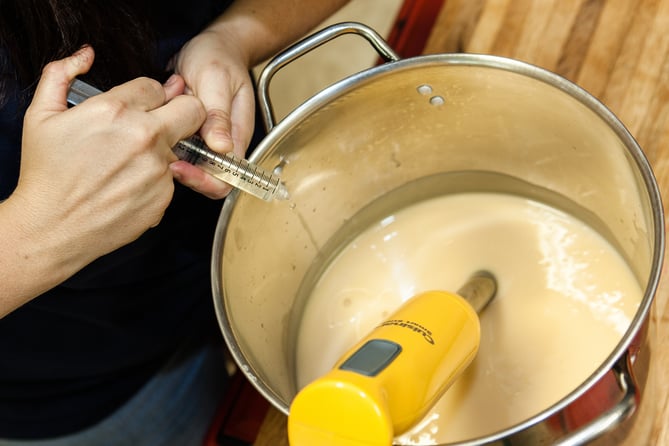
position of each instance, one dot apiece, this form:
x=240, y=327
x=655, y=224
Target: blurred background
x=345, y=55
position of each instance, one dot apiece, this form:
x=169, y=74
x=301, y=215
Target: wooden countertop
x=618, y=50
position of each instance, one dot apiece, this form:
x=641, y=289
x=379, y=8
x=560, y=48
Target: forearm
x=261, y=27
x=32, y=261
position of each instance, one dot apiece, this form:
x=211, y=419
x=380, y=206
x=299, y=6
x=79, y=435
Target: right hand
x=95, y=177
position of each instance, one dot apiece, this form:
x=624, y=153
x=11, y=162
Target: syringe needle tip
x=282, y=193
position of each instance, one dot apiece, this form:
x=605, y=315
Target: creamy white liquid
x=565, y=298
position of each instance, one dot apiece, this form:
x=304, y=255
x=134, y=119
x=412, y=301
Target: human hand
x=217, y=72
x=95, y=177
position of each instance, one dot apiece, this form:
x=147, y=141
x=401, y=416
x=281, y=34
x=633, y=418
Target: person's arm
x=215, y=65
x=86, y=190
x=263, y=27
x=77, y=200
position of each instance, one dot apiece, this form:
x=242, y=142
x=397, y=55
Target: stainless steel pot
x=407, y=119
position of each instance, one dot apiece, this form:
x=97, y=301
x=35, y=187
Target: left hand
x=216, y=70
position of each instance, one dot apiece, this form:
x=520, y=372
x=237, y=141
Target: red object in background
x=239, y=416
x=413, y=26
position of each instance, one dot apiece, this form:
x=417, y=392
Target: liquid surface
x=564, y=301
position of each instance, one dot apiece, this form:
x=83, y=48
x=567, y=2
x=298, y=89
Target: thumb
x=51, y=92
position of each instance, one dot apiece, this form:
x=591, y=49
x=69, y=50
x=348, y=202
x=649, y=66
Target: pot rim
x=458, y=59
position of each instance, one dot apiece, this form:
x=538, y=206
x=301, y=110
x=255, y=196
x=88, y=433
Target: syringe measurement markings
x=237, y=167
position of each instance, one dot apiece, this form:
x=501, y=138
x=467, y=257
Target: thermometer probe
x=235, y=171
x=388, y=381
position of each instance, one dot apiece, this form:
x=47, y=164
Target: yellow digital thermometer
x=389, y=380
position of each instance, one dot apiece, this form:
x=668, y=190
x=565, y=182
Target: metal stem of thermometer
x=226, y=167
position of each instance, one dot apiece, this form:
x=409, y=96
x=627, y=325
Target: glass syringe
x=235, y=171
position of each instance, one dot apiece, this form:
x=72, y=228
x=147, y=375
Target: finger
x=243, y=120
x=54, y=84
x=198, y=180
x=174, y=86
x=230, y=131
x=141, y=93
x=181, y=117
x=229, y=102
x=217, y=128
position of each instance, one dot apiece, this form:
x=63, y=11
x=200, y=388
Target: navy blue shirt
x=74, y=354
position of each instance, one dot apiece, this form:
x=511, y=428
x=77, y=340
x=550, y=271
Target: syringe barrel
x=233, y=170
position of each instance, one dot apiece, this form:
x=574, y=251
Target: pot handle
x=307, y=44
x=615, y=415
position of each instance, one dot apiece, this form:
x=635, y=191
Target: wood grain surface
x=618, y=50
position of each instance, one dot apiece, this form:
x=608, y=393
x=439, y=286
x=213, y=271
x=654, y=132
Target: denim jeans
x=175, y=408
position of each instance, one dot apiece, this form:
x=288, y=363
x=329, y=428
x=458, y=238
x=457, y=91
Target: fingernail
x=81, y=56
x=175, y=173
